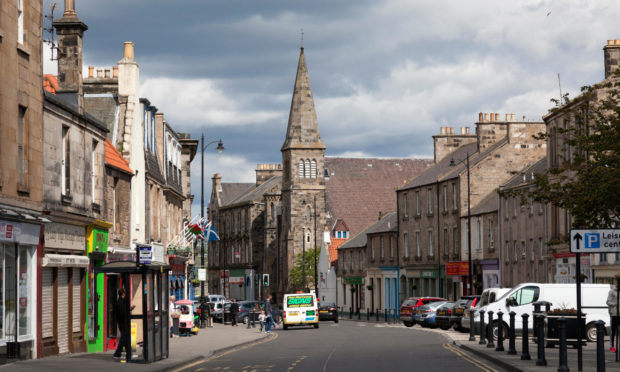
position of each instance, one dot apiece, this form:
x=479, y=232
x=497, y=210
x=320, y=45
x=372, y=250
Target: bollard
x=367, y=314
x=359, y=314
x=490, y=343
x=563, y=356
x=471, y=325
x=511, y=334
x=525, y=347
x=482, y=328
x=600, y=346
x=540, y=333
x=249, y=320
x=500, y=332
x=254, y=315
x=377, y=315
x=351, y=312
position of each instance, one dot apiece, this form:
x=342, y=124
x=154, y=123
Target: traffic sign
x=595, y=241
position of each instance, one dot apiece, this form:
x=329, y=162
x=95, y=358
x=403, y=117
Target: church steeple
x=303, y=127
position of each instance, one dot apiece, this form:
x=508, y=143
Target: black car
x=246, y=306
x=442, y=317
x=463, y=305
x=328, y=311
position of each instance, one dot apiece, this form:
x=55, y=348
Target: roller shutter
x=63, y=310
x=47, y=302
x=77, y=300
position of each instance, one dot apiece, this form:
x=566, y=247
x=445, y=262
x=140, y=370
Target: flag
x=210, y=234
x=196, y=229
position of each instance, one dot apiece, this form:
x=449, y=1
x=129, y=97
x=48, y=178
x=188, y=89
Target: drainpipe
x=500, y=238
x=439, y=243
x=397, y=249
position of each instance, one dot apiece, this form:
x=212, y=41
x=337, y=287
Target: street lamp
x=469, y=279
x=203, y=147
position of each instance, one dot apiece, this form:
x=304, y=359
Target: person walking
x=612, y=307
x=122, y=310
x=268, y=315
x=234, y=310
x=171, y=310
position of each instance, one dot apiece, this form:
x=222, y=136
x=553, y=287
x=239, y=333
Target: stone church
x=264, y=226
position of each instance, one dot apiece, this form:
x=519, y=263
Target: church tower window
x=307, y=169
x=313, y=169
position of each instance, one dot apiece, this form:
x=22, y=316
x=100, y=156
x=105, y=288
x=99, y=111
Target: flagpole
x=202, y=208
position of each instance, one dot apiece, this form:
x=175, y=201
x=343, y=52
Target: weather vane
x=302, y=38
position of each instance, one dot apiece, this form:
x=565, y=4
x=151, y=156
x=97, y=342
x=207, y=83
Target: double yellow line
x=469, y=358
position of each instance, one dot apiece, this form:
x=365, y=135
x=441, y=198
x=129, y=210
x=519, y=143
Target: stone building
x=352, y=272
x=21, y=175
x=431, y=206
x=523, y=233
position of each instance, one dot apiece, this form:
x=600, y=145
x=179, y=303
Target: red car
x=406, y=309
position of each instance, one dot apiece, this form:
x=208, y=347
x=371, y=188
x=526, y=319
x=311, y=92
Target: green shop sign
x=428, y=274
x=354, y=280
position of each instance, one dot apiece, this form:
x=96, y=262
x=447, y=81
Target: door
x=522, y=303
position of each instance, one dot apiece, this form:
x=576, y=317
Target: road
x=346, y=346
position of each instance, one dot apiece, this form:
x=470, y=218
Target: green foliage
x=295, y=278
x=586, y=182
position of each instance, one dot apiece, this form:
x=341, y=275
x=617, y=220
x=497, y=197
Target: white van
x=300, y=309
x=520, y=299
x=488, y=296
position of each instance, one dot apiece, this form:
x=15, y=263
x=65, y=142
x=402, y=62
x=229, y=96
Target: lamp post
x=203, y=147
x=316, y=269
x=469, y=279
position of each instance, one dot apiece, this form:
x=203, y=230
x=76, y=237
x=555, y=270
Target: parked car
x=462, y=306
x=425, y=315
x=443, y=316
x=488, y=296
x=408, y=307
x=328, y=311
x=218, y=309
x=246, y=306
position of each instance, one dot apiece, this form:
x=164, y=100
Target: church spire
x=303, y=128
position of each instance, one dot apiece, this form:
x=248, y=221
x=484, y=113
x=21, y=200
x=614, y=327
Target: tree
x=587, y=182
x=295, y=277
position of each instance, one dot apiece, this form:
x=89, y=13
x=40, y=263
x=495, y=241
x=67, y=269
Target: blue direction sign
x=595, y=241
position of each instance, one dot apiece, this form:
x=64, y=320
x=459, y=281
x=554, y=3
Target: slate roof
x=152, y=167
x=114, y=158
x=487, y=205
x=231, y=191
x=387, y=223
x=357, y=189
x=104, y=109
x=358, y=241
x=256, y=192
x=539, y=167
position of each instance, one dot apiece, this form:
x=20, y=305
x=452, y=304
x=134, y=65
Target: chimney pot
x=99, y=73
x=480, y=116
x=451, y=130
x=462, y=130
x=91, y=71
x=507, y=117
x=466, y=130
x=610, y=42
x=616, y=42
x=69, y=8
x=128, y=50
x=107, y=73
x=441, y=130
x=486, y=116
x=115, y=72
x=497, y=116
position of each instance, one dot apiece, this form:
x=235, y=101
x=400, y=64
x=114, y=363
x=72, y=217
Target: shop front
x=19, y=244
x=96, y=287
x=63, y=287
x=457, y=273
x=566, y=268
x=490, y=273
x=354, y=286
x=391, y=287
x=177, y=277
x=236, y=284
x=423, y=281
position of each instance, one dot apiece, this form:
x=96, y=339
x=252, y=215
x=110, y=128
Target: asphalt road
x=347, y=346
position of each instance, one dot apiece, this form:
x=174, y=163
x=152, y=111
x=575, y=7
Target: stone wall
x=121, y=183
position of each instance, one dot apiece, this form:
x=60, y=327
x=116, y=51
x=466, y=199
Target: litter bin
x=175, y=326
x=227, y=317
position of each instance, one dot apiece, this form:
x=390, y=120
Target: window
x=455, y=240
x=454, y=196
x=430, y=243
x=418, y=244
x=514, y=207
x=491, y=235
x=21, y=152
x=382, y=247
x=603, y=257
x=507, y=251
x=478, y=235
x=406, y=244
x=308, y=213
x=372, y=249
x=532, y=250
x=21, y=35
x=531, y=200
x=506, y=209
x=343, y=260
x=247, y=252
x=405, y=205
x=18, y=272
x=526, y=295
x=66, y=162
x=301, y=168
x=307, y=168
x=360, y=259
x=515, y=248
x=93, y=171
x=430, y=200
x=541, y=247
x=308, y=237
x=273, y=212
x=116, y=205
x=446, y=242
x=523, y=252
x=391, y=247
x=417, y=203
x=313, y=169
x=445, y=198
x=351, y=260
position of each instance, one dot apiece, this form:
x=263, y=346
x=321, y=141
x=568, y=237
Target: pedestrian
x=171, y=310
x=122, y=310
x=612, y=307
x=234, y=310
x=268, y=315
x=261, y=319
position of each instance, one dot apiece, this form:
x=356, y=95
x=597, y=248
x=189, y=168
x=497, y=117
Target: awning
x=116, y=250
x=64, y=260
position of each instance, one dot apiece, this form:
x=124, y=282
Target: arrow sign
x=577, y=238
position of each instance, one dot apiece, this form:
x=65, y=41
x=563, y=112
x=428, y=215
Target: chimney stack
x=128, y=51
x=115, y=72
x=91, y=72
x=611, y=53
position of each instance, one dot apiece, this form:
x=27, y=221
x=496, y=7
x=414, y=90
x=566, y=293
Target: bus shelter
x=147, y=289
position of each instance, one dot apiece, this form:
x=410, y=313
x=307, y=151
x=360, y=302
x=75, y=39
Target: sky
x=385, y=74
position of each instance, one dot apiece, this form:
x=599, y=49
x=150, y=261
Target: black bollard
x=600, y=346
x=525, y=347
x=540, y=333
x=367, y=314
x=482, y=328
x=500, y=332
x=359, y=314
x=490, y=343
x=511, y=334
x=254, y=315
x=249, y=320
x=471, y=325
x=377, y=315
x=385, y=314
x=351, y=312
x=563, y=355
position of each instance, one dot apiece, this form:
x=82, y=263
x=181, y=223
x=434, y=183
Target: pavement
x=183, y=351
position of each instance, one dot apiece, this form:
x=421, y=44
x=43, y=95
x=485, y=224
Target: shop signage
x=224, y=273
x=60, y=260
x=236, y=280
x=354, y=280
x=202, y=275
x=157, y=253
x=98, y=240
x=146, y=254
x=64, y=236
x=428, y=274
x=457, y=268
x=24, y=233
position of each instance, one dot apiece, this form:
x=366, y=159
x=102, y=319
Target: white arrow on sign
x=595, y=241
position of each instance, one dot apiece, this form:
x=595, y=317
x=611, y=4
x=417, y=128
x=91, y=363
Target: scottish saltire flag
x=210, y=234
